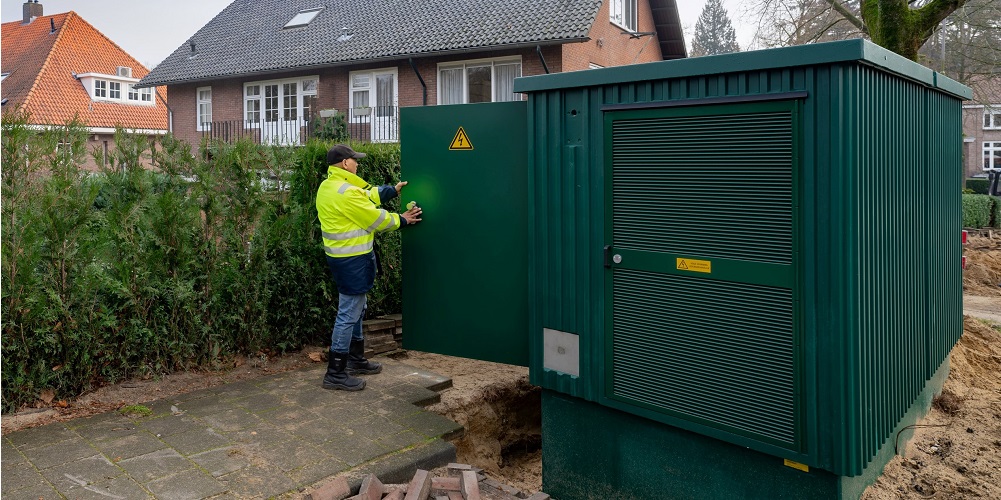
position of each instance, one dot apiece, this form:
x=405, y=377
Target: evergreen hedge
x=132, y=272
x=977, y=210
x=977, y=186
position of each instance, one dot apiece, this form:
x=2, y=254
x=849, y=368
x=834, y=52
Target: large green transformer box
x=734, y=276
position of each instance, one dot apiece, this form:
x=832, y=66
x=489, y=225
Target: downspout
x=170, y=112
x=538, y=48
x=418, y=73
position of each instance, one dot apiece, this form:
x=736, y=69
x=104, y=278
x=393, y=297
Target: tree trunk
x=894, y=25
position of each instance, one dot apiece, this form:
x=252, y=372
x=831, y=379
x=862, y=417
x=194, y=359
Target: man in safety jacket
x=350, y=215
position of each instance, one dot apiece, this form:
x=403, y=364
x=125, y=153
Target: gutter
x=397, y=58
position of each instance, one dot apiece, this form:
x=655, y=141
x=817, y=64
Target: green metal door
x=465, y=266
x=701, y=268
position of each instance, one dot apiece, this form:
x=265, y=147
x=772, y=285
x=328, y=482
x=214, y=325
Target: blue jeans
x=350, y=312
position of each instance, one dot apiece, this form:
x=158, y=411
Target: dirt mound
x=983, y=266
x=956, y=449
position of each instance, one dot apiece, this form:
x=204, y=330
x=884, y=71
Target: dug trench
x=501, y=413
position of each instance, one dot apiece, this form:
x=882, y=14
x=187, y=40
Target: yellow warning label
x=697, y=266
x=460, y=141
x=797, y=465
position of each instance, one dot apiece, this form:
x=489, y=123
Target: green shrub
x=977, y=186
x=976, y=210
x=995, y=211
x=132, y=272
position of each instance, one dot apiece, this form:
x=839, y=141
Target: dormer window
x=115, y=88
x=303, y=18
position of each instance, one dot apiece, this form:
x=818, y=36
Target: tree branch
x=849, y=16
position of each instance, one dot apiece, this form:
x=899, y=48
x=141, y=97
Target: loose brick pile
x=462, y=483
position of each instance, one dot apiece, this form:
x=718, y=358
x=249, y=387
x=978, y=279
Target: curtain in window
x=506, y=73
x=451, y=86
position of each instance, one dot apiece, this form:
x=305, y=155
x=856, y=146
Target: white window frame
x=100, y=89
x=259, y=97
x=623, y=13
x=992, y=117
x=356, y=87
x=991, y=154
x=473, y=63
x=200, y=124
x=111, y=88
x=302, y=18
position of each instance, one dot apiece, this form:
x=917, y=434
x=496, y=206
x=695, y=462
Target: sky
x=150, y=30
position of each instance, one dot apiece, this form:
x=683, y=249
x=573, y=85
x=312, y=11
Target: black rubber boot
x=337, y=377
x=357, y=364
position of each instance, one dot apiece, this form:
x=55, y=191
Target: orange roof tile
x=42, y=65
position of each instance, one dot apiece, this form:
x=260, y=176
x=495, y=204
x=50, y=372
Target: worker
x=350, y=215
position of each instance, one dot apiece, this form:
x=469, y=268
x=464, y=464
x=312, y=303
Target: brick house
x=982, y=129
x=59, y=67
x=268, y=67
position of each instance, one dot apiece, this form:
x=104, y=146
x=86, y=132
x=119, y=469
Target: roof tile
x=247, y=36
x=42, y=65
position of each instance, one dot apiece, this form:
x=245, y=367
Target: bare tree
x=902, y=26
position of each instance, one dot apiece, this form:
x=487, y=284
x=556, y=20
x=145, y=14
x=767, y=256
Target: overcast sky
x=150, y=30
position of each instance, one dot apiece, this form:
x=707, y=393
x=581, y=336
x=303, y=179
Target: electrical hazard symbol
x=461, y=141
x=697, y=266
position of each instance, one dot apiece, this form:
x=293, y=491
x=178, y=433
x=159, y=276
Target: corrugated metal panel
x=945, y=285
x=891, y=254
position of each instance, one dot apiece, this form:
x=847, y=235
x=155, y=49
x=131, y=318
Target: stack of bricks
x=462, y=482
x=382, y=335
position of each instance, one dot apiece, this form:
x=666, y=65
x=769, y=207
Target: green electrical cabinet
x=742, y=271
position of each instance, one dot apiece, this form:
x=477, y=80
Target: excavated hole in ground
x=503, y=433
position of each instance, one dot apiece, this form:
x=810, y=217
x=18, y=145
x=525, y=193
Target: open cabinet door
x=465, y=266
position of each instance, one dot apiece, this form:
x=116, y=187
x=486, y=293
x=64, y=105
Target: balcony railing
x=376, y=124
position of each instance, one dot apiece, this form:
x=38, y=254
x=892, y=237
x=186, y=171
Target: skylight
x=303, y=18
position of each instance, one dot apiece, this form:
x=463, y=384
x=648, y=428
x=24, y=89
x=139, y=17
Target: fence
x=376, y=124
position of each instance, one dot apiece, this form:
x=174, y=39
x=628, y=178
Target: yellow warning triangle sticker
x=682, y=264
x=460, y=141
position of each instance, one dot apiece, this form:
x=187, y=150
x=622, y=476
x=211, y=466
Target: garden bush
x=977, y=210
x=136, y=272
x=977, y=186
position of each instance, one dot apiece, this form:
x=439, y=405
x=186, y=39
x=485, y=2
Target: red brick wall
x=609, y=47
x=332, y=91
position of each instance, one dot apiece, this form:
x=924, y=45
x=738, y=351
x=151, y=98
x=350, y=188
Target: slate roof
x=247, y=36
x=42, y=64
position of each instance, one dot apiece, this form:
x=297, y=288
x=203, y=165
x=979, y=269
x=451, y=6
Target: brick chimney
x=32, y=10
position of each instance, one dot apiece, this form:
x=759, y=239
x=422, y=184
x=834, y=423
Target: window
x=992, y=117
x=3, y=76
x=992, y=156
x=115, y=90
x=623, y=14
x=361, y=91
x=309, y=99
x=478, y=81
x=303, y=18
x=284, y=100
x=204, y=96
x=146, y=94
x=594, y=66
x=133, y=93
x=100, y=88
x=252, y=103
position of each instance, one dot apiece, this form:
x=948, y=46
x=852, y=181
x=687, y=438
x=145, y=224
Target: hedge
x=978, y=209
x=132, y=272
x=977, y=186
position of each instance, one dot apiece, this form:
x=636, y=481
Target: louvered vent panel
x=716, y=186
x=719, y=352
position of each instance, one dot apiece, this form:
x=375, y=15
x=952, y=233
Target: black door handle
x=608, y=256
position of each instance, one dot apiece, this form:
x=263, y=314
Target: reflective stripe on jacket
x=349, y=213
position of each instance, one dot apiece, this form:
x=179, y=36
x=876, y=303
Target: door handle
x=608, y=256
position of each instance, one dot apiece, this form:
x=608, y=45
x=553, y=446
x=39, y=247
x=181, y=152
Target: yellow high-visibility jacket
x=348, y=208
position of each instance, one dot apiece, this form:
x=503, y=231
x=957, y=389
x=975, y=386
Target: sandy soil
x=955, y=452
